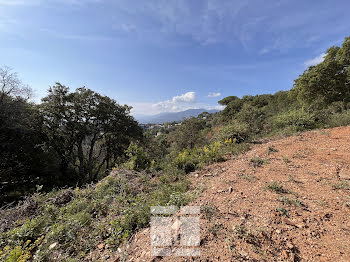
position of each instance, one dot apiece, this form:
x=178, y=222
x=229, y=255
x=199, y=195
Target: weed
x=286, y=160
x=209, y=211
x=276, y=187
x=272, y=149
x=292, y=202
x=257, y=161
x=292, y=179
x=323, y=203
x=215, y=229
x=282, y=211
x=248, y=177
x=248, y=235
x=341, y=185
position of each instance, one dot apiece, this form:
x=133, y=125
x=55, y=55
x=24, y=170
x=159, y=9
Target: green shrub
x=237, y=132
x=187, y=160
x=137, y=158
x=295, y=120
x=178, y=199
x=338, y=119
x=30, y=230
x=213, y=152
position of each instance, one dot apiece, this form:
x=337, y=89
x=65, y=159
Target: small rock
x=100, y=246
x=285, y=254
x=344, y=174
x=244, y=254
x=289, y=245
x=230, y=189
x=176, y=225
x=119, y=250
x=288, y=222
x=53, y=245
x=196, y=175
x=278, y=231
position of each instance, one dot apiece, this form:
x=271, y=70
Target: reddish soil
x=251, y=222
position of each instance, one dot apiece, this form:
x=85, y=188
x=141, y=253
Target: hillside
x=171, y=116
x=290, y=201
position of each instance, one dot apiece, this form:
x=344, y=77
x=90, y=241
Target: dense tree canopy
x=328, y=81
x=71, y=137
x=87, y=131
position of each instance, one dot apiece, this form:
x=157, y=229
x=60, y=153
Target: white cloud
x=214, y=94
x=315, y=61
x=177, y=103
x=187, y=97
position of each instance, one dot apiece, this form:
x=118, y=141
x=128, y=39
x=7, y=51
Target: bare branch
x=11, y=85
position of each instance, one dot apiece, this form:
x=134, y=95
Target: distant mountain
x=171, y=116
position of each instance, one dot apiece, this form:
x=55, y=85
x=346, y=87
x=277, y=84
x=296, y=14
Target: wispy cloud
x=13, y=2
x=36, y=2
x=315, y=61
x=72, y=36
x=214, y=94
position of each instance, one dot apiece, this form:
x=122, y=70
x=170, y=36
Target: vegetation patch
x=276, y=187
x=209, y=211
x=282, y=211
x=257, y=161
x=248, y=177
x=292, y=202
x=272, y=149
x=342, y=185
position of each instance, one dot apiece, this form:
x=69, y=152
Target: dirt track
x=308, y=219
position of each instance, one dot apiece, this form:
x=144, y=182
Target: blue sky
x=168, y=55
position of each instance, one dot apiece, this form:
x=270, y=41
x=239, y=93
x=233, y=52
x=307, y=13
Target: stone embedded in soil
x=344, y=174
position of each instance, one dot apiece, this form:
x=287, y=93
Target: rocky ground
x=284, y=200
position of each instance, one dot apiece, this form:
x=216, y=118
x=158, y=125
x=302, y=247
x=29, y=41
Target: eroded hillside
x=284, y=200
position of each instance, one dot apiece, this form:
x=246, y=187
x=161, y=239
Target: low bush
x=137, y=158
x=295, y=120
x=237, y=132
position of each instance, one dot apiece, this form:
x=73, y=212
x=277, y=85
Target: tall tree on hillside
x=23, y=162
x=188, y=134
x=328, y=81
x=87, y=130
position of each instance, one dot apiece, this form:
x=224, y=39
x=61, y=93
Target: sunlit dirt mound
x=284, y=200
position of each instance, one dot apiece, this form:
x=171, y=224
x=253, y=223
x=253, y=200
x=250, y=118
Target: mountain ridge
x=171, y=116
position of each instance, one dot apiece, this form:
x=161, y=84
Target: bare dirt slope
x=303, y=216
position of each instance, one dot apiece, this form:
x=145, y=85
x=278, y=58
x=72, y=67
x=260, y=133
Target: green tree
x=225, y=101
x=24, y=162
x=328, y=81
x=188, y=134
x=87, y=130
